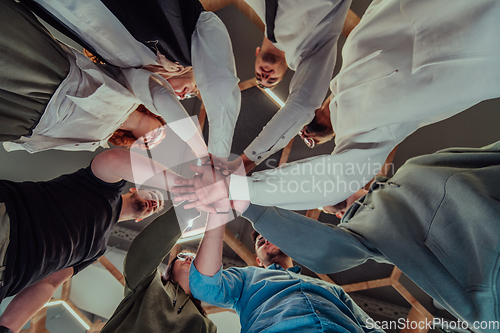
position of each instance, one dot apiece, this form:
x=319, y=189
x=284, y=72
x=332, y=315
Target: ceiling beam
x=65, y=290
x=348, y=288
x=418, y=320
x=79, y=312
x=215, y=5
x=112, y=269
x=96, y=327
x=313, y=214
x=241, y=250
x=38, y=321
x=412, y=300
x=325, y=277
x=250, y=83
x=249, y=13
x=285, y=154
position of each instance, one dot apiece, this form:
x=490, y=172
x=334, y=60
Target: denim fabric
x=279, y=300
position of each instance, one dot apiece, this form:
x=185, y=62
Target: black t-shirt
x=161, y=25
x=64, y=222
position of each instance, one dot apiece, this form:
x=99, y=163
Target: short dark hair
x=254, y=235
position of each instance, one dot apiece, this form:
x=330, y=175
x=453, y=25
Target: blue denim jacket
x=279, y=300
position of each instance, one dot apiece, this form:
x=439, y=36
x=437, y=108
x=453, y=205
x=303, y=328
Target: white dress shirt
x=212, y=58
x=307, y=31
x=407, y=64
x=92, y=103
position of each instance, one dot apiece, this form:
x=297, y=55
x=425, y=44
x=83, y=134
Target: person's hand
x=240, y=205
x=220, y=164
x=207, y=187
x=243, y=163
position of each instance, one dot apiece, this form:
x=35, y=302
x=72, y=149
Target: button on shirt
x=385, y=93
x=279, y=300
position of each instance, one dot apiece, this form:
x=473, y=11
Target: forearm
x=326, y=179
x=198, y=145
x=293, y=233
x=114, y=165
x=215, y=73
x=176, y=117
x=31, y=299
x=209, y=257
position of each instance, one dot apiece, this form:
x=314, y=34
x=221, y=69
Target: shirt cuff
x=238, y=188
x=257, y=155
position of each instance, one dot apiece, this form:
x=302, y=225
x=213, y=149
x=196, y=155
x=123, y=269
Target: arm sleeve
x=335, y=249
x=78, y=268
x=150, y=247
x=172, y=111
x=319, y=181
x=223, y=289
x=215, y=74
x=308, y=89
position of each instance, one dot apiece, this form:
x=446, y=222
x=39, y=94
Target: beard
x=273, y=256
x=341, y=206
x=270, y=58
x=316, y=128
x=139, y=208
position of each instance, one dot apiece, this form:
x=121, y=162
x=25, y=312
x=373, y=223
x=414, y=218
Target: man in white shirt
x=303, y=35
x=404, y=66
x=211, y=53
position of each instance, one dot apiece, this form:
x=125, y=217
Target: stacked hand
x=208, y=190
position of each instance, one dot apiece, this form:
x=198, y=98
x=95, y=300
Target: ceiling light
x=190, y=238
x=271, y=94
x=84, y=324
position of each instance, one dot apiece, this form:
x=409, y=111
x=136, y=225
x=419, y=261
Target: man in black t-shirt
x=61, y=226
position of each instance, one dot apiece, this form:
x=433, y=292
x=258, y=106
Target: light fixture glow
x=80, y=320
x=190, y=238
x=270, y=93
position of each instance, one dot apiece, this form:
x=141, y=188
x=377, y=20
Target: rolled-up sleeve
x=215, y=73
x=223, y=289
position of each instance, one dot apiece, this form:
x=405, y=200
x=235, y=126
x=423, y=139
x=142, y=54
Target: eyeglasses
x=260, y=241
x=187, y=96
x=186, y=255
x=309, y=142
x=261, y=86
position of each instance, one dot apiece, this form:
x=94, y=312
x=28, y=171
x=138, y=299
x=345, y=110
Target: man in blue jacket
x=437, y=219
x=274, y=297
